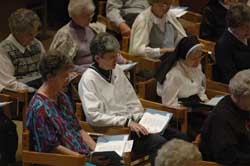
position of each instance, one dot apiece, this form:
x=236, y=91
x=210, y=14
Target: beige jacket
x=139, y=39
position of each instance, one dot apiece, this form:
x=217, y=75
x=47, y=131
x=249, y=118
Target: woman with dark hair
x=213, y=21
x=181, y=82
x=232, y=51
x=51, y=117
x=180, y=74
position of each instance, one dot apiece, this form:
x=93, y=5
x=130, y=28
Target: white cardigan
x=139, y=39
x=108, y=104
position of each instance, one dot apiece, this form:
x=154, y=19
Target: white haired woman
x=225, y=135
x=177, y=153
x=74, y=38
x=156, y=31
x=20, y=52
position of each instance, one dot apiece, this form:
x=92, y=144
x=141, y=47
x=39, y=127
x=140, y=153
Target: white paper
x=128, y=66
x=128, y=146
x=2, y=104
x=155, y=123
x=214, y=101
x=179, y=11
x=117, y=146
x=115, y=143
x=28, y=79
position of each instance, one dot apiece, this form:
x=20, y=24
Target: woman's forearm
x=63, y=150
x=89, y=141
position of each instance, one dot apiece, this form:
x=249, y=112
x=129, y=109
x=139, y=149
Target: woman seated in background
x=213, y=22
x=20, y=53
x=225, y=134
x=180, y=77
x=232, y=51
x=156, y=31
x=74, y=38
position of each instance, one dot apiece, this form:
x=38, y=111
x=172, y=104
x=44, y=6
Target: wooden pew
x=21, y=97
x=54, y=159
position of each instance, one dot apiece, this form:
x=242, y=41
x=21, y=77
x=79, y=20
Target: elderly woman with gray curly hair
x=225, y=135
x=20, y=52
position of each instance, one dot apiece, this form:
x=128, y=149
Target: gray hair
x=239, y=85
x=238, y=15
x=75, y=7
x=102, y=43
x=177, y=153
x=53, y=62
x=24, y=20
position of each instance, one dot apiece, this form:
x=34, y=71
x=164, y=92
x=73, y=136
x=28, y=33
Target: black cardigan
x=231, y=56
x=213, y=21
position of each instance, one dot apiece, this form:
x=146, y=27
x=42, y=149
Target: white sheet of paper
x=29, y=79
x=179, y=11
x=128, y=66
x=128, y=146
x=154, y=123
x=115, y=143
x=5, y=103
x=215, y=100
x=117, y=146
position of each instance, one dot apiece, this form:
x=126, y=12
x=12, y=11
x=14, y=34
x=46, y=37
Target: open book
x=112, y=146
x=214, y=101
x=211, y=103
x=155, y=121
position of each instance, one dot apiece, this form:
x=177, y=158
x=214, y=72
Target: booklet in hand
x=112, y=147
x=155, y=121
x=211, y=103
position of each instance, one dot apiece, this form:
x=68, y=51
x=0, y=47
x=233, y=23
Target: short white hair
x=76, y=7
x=239, y=85
x=177, y=153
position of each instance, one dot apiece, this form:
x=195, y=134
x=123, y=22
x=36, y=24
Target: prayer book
x=112, y=147
x=214, y=101
x=211, y=103
x=155, y=121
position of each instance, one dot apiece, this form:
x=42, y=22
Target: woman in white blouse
x=180, y=75
x=156, y=30
x=180, y=79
